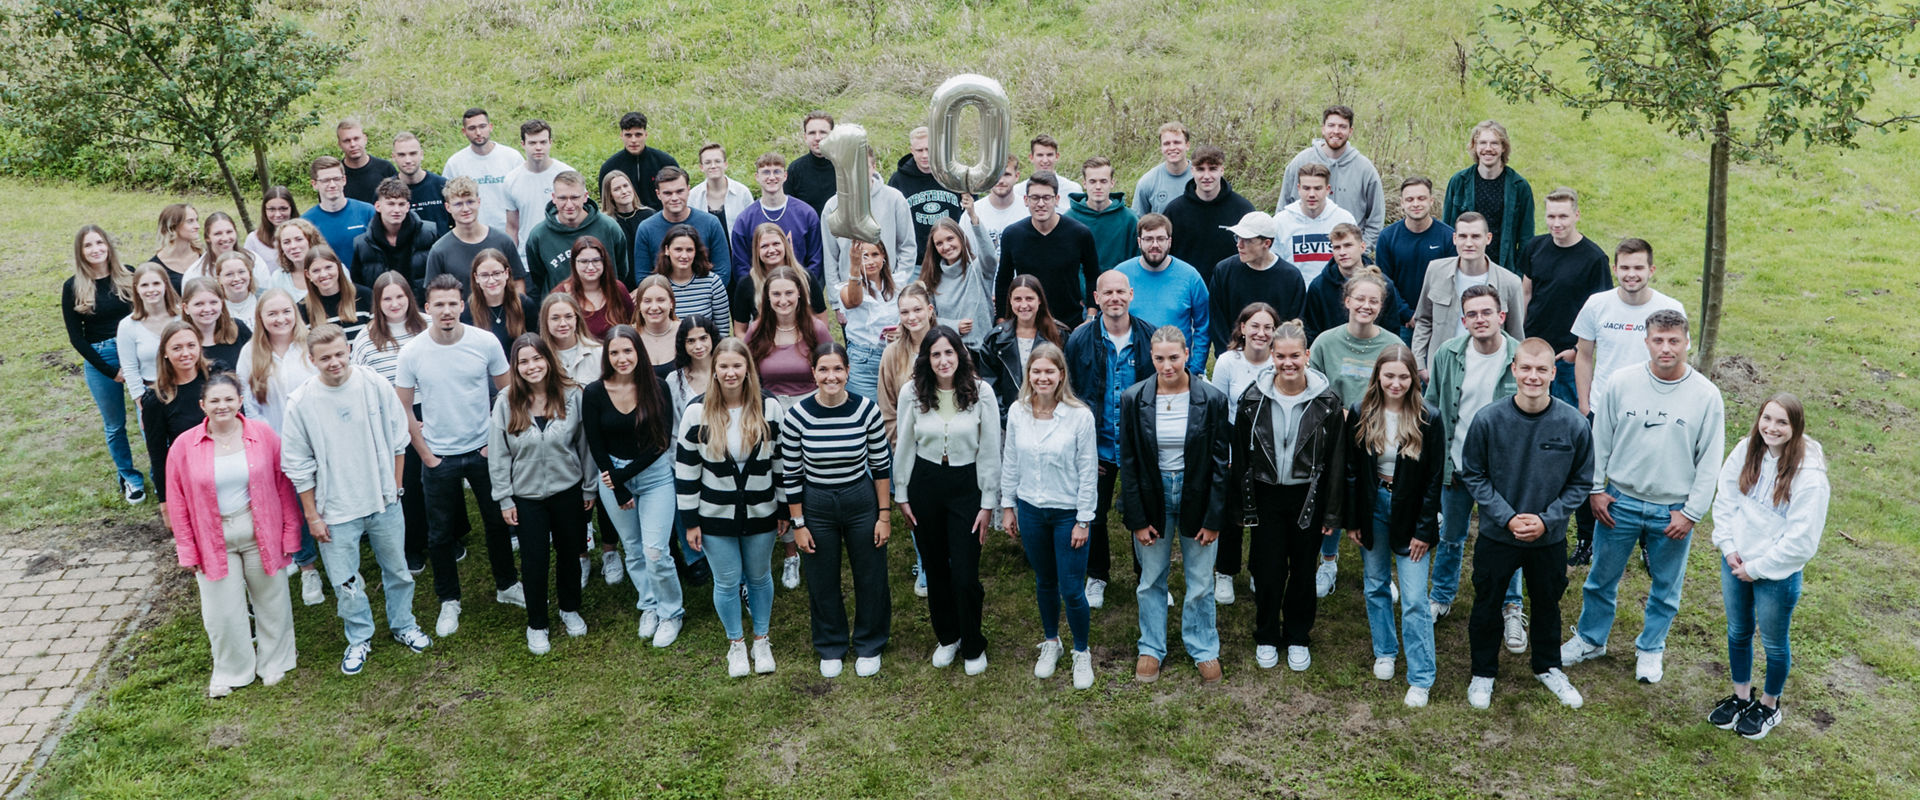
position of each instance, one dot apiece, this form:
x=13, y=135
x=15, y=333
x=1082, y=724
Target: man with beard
x=1168, y=291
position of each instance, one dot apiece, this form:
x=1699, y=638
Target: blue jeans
x=645, y=530
x=1416, y=619
x=1770, y=603
x=386, y=534
x=1563, y=388
x=863, y=375
x=1197, y=629
x=110, y=396
x=1635, y=522
x=735, y=558
x=1059, y=568
x=1456, y=510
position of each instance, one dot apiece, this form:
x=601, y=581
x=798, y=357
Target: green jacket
x=1444, y=381
x=1516, y=220
x=550, y=248
x=1116, y=229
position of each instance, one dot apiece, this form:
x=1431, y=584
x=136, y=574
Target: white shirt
x=1476, y=391
x=1233, y=374
x=1170, y=430
x=230, y=481
x=490, y=171
x=527, y=193
x=457, y=379
x=738, y=199
x=995, y=220
x=875, y=314
x=1618, y=332
x=1050, y=463
x=1389, y=462
x=290, y=370
x=139, y=350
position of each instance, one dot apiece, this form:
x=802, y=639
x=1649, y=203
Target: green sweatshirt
x=1348, y=360
x=1116, y=229
x=550, y=248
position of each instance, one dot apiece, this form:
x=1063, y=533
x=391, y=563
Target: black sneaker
x=134, y=495
x=1757, y=721
x=1727, y=712
x=416, y=566
x=1582, y=554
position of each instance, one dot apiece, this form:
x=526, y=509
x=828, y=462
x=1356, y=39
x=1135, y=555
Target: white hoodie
x=1774, y=541
x=1302, y=240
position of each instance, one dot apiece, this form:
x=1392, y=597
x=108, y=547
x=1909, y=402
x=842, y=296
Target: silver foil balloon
x=852, y=216
x=957, y=94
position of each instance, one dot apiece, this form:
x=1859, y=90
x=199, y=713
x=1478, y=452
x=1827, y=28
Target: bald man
x=1105, y=355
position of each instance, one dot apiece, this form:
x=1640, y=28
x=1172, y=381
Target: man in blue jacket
x=1105, y=355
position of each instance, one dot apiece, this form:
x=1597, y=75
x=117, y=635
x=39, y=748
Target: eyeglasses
x=589, y=260
x=331, y=181
x=1041, y=198
x=1481, y=314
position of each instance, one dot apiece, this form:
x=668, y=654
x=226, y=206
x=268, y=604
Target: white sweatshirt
x=1774, y=541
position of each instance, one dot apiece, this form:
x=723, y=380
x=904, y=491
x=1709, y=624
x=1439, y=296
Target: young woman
x=578, y=356
x=494, y=306
x=155, y=304
x=959, y=270
x=629, y=429
x=179, y=242
x=234, y=519
x=916, y=309
x=276, y=207
x=1288, y=472
x=729, y=500
x=332, y=296
x=220, y=235
x=783, y=337
x=1347, y=355
x=833, y=451
x=1047, y=485
x=772, y=250
x=1393, y=507
x=543, y=478
x=92, y=304
x=692, y=361
x=272, y=365
x=1173, y=461
x=221, y=336
x=1004, y=354
x=1767, y=520
x=696, y=288
x=397, y=319
x=659, y=321
x=239, y=283
x=604, y=301
x=1249, y=351
x=296, y=240
x=619, y=200
x=873, y=317
x=173, y=405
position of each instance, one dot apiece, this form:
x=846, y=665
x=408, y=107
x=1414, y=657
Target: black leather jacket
x=1318, y=457
x=998, y=362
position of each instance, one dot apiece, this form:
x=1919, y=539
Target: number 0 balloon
x=957, y=94
x=852, y=218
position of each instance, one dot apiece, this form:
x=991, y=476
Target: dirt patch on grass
x=1741, y=377
x=1851, y=676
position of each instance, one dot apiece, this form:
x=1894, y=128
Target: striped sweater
x=726, y=497
x=830, y=447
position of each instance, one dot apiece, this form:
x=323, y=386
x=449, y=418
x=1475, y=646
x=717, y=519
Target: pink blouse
x=788, y=371
x=194, y=510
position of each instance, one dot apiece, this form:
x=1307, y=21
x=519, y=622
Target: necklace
x=778, y=328
x=771, y=217
x=660, y=335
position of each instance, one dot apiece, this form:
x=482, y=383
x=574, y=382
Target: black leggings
x=561, y=520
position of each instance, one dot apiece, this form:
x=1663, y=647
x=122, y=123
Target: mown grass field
x=1820, y=304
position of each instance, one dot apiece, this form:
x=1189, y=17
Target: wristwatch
x=796, y=522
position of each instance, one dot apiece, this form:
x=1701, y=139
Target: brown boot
x=1209, y=672
x=1147, y=670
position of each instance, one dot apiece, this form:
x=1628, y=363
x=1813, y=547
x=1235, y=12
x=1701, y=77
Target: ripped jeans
x=386, y=533
x=644, y=532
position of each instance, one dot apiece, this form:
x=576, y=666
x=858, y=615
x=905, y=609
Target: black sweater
x=810, y=179
x=162, y=422
x=927, y=200
x=612, y=434
x=1519, y=463
x=641, y=168
x=407, y=255
x=1236, y=286
x=497, y=322
x=1198, y=236
x=86, y=330
x=1066, y=262
x=226, y=357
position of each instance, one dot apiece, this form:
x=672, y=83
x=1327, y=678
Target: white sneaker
x=668, y=631
x=1082, y=669
x=449, y=619
x=1514, y=624
x=975, y=666
x=1169, y=600
x=1556, y=682
x=1393, y=588
x=1416, y=697
x=1480, y=692
x=515, y=595
x=737, y=666
x=1298, y=658
x=613, y=570
x=586, y=570
x=1383, y=668
x=866, y=666
x=356, y=658
x=312, y=587
x=537, y=642
x=1096, y=593
x=649, y=623
x=1438, y=610
x=1222, y=589
x=1049, y=659
x=790, y=573
x=762, y=656
x=830, y=667
x=515, y=540
x=1267, y=656
x=1577, y=650
x=944, y=654
x=573, y=623
x=1650, y=667
x=1323, y=576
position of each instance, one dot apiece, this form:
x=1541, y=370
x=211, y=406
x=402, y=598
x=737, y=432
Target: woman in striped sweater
x=697, y=289
x=728, y=498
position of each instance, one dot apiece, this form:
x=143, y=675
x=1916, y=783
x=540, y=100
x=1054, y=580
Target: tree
x=1744, y=75
x=212, y=77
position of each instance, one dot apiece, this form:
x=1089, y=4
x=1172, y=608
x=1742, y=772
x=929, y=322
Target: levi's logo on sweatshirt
x=1311, y=248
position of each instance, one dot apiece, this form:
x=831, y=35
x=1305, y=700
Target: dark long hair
x=1044, y=325
x=511, y=312
x=687, y=323
x=619, y=303
x=377, y=330
x=930, y=266
x=520, y=393
x=267, y=229
x=1791, y=455
x=663, y=263
x=926, y=385
x=766, y=323
x=651, y=418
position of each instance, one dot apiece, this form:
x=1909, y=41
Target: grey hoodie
x=1356, y=186
x=1286, y=417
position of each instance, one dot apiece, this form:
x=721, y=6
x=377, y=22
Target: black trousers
x=1282, y=560
x=1099, y=540
x=841, y=519
x=413, y=505
x=1544, y=569
x=447, y=524
x=946, y=499
x=562, y=521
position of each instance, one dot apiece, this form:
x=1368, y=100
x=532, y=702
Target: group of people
x=657, y=372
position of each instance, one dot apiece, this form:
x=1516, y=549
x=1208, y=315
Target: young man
x=810, y=178
x=797, y=219
x=1169, y=178
x=397, y=240
x=1355, y=184
x=1247, y=277
x=340, y=218
x=1305, y=223
x=674, y=185
x=1610, y=331
x=451, y=368
x=719, y=195
x=1044, y=153
x=1659, y=432
x=487, y=162
x=1326, y=304
x=530, y=185
x=1204, y=212
x=926, y=198
x=1437, y=316
x=569, y=216
x=364, y=172
x=343, y=444
x=1057, y=250
x=1526, y=461
x=1406, y=247
x=423, y=186
x=1105, y=355
x=1002, y=207
x=896, y=235
x=637, y=159
x=453, y=253
x=1170, y=291
x=1559, y=270
x=1115, y=227
x=1494, y=190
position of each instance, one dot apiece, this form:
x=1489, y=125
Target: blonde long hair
x=171, y=300
x=754, y=426
x=83, y=289
x=261, y=373
x=1372, y=433
x=1053, y=353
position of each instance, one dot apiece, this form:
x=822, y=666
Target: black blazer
x=1203, y=494
x=1416, y=484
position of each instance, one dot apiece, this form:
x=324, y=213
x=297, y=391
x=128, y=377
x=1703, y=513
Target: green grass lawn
x=1820, y=258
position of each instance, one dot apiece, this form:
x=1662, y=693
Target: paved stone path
x=57, y=619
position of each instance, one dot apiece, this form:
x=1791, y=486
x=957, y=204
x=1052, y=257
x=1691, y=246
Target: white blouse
x=1051, y=463
x=139, y=349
